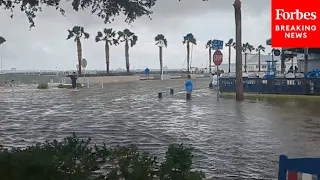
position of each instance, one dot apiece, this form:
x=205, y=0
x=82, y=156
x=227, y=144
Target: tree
x=2, y=40
x=108, y=36
x=189, y=38
x=78, y=33
x=105, y=10
x=161, y=41
x=209, y=46
x=230, y=44
x=259, y=49
x=128, y=37
x=238, y=44
x=246, y=48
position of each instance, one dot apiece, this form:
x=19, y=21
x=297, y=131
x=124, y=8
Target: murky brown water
x=231, y=139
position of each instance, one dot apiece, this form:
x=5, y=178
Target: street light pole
x=239, y=79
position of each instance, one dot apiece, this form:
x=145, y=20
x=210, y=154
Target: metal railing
x=301, y=86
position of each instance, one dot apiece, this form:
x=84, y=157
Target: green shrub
x=43, y=86
x=64, y=86
x=76, y=159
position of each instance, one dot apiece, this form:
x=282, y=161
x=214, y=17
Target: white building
x=253, y=63
x=313, y=61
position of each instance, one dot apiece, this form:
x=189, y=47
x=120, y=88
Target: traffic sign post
x=217, y=60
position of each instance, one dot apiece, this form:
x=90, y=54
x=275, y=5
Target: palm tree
x=246, y=48
x=239, y=80
x=189, y=38
x=77, y=33
x=161, y=41
x=209, y=45
x=259, y=49
x=2, y=40
x=108, y=36
x=229, y=44
x=127, y=36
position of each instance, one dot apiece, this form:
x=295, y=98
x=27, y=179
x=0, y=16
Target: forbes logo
x=281, y=14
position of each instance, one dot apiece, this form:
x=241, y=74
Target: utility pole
x=306, y=59
x=239, y=79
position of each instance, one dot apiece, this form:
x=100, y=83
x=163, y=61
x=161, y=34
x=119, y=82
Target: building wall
x=312, y=64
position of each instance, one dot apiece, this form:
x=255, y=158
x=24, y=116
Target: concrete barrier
x=108, y=79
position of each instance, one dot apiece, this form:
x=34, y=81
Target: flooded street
x=231, y=139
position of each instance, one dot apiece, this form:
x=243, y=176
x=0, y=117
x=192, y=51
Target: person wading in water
x=189, y=86
x=73, y=78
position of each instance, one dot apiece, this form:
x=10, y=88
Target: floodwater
x=232, y=140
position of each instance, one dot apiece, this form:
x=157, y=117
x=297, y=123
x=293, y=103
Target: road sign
x=217, y=57
x=84, y=63
x=276, y=52
x=217, y=44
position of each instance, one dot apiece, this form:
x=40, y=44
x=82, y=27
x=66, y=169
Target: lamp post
x=239, y=80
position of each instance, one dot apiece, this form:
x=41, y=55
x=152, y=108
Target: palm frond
x=209, y=44
x=97, y=39
x=2, y=40
x=159, y=37
x=230, y=42
x=86, y=35
x=193, y=41
x=128, y=33
x=133, y=40
x=70, y=35
x=115, y=41
x=165, y=42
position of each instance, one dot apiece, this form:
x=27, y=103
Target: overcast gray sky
x=45, y=46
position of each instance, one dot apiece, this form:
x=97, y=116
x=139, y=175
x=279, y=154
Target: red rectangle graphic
x=295, y=23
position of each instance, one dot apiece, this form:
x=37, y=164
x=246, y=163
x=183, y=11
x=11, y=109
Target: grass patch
x=274, y=96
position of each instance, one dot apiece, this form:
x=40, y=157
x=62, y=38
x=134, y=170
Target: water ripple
x=231, y=139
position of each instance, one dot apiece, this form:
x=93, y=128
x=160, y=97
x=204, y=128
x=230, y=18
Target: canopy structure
x=268, y=42
x=296, y=50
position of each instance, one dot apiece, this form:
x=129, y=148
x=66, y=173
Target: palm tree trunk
x=160, y=59
x=188, y=57
x=239, y=80
x=245, y=62
x=127, y=57
x=107, y=51
x=260, y=61
x=210, y=56
x=79, y=50
x=229, y=60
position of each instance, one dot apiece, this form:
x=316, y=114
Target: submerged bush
x=43, y=86
x=76, y=159
x=69, y=86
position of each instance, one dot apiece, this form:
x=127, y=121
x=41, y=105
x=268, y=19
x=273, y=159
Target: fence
x=299, y=168
x=301, y=86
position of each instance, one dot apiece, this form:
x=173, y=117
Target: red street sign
x=217, y=57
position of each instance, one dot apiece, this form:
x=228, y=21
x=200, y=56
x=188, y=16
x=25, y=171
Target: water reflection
x=231, y=139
